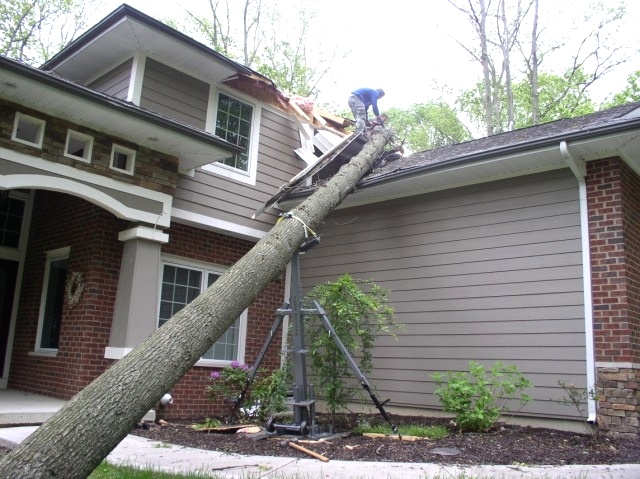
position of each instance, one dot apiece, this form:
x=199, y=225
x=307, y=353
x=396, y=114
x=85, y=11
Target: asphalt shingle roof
x=523, y=138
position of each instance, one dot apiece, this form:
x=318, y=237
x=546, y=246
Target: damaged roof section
x=612, y=132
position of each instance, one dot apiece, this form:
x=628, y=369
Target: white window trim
x=249, y=176
x=41, y=123
x=88, y=139
x=53, y=255
x=205, y=267
x=128, y=151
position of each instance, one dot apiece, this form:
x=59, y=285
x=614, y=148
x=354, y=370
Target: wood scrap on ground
x=308, y=452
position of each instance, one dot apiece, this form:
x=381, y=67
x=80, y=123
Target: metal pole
x=299, y=351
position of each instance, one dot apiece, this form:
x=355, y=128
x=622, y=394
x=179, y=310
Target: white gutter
x=579, y=169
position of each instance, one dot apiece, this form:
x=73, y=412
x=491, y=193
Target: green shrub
x=478, y=398
x=266, y=395
x=357, y=310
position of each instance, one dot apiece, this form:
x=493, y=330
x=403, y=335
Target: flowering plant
x=266, y=395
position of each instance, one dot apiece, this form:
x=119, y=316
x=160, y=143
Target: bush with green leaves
x=265, y=396
x=478, y=398
x=358, y=310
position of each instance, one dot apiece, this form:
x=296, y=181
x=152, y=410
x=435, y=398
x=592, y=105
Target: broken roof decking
x=612, y=132
x=320, y=171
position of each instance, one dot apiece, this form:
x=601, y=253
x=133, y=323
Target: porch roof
x=59, y=97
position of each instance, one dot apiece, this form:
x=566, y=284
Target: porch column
x=136, y=309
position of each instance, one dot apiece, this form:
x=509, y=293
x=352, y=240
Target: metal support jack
x=304, y=413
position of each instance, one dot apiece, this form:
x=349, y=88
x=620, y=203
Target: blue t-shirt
x=369, y=97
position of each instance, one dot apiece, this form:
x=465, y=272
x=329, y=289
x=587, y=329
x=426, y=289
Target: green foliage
x=31, y=31
x=111, y=471
x=631, y=93
x=577, y=397
x=357, y=317
x=425, y=126
x=266, y=395
x=480, y=397
x=208, y=423
x=558, y=97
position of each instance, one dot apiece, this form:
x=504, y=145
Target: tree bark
x=76, y=439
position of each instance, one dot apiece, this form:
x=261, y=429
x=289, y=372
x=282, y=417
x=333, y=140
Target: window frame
x=131, y=158
x=206, y=269
x=227, y=171
x=52, y=256
x=88, y=141
x=37, y=122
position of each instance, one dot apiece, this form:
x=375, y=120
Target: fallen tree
x=75, y=440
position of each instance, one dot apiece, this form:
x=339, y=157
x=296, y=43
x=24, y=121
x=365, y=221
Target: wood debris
x=308, y=452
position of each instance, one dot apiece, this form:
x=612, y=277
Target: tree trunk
x=75, y=440
x=535, y=104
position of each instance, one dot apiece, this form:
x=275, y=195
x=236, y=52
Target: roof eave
x=192, y=146
x=619, y=139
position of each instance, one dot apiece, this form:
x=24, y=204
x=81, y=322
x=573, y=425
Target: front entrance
x=8, y=275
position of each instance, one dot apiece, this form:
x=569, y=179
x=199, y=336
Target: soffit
x=57, y=98
x=128, y=36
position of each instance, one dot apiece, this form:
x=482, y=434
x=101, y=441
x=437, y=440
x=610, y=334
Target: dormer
x=133, y=57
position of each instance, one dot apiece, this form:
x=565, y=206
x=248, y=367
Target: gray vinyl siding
x=174, y=94
x=488, y=273
x=115, y=82
x=218, y=197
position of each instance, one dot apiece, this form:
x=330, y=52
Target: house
x=130, y=166
x=523, y=248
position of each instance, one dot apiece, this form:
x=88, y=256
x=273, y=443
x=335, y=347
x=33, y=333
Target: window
x=28, y=130
x=55, y=275
x=180, y=286
x=11, y=214
x=122, y=159
x=79, y=146
x=233, y=123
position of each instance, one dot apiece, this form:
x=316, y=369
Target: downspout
x=579, y=169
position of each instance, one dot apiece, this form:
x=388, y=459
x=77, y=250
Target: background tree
x=31, y=31
x=276, y=41
x=557, y=97
x=425, y=126
x=631, y=92
x=511, y=49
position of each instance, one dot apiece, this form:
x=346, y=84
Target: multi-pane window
x=55, y=276
x=180, y=286
x=11, y=214
x=233, y=123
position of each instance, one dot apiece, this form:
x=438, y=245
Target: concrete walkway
x=141, y=452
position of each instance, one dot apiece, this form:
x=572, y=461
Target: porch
x=22, y=408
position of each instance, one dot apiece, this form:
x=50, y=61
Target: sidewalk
x=141, y=452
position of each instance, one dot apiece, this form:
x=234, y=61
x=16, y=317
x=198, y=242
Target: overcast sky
x=407, y=46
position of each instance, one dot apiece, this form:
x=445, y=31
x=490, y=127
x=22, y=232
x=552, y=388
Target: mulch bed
x=505, y=445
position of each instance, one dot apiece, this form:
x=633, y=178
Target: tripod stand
x=304, y=401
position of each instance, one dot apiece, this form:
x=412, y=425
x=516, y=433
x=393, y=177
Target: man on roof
x=359, y=102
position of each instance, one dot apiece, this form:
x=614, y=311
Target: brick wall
x=190, y=398
x=153, y=170
x=59, y=221
x=613, y=192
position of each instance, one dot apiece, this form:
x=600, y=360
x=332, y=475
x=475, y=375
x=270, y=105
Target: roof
x=126, y=30
x=607, y=133
x=62, y=98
